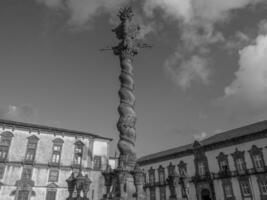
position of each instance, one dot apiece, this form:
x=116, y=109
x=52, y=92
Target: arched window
x=56, y=151
x=5, y=142
x=257, y=158
x=239, y=159
x=31, y=149
x=161, y=173
x=201, y=161
x=151, y=175
x=78, y=152
x=223, y=162
x=171, y=169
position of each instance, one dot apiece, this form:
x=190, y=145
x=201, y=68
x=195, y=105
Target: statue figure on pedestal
x=79, y=184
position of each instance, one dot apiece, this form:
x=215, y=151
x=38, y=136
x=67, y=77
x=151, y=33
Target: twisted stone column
x=126, y=49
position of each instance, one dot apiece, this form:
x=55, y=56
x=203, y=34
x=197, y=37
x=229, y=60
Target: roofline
x=144, y=160
x=39, y=127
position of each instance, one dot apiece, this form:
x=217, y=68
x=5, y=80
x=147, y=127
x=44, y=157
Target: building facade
x=36, y=161
x=227, y=166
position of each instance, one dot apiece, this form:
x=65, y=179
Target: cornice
x=48, y=129
x=208, y=147
x=46, y=166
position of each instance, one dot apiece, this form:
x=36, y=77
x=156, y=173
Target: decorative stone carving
x=126, y=31
x=126, y=182
x=79, y=183
x=139, y=182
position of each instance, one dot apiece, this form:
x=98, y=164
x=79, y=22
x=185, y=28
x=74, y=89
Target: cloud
x=263, y=27
x=201, y=10
x=247, y=93
x=19, y=113
x=171, y=8
x=192, y=70
x=196, y=21
x=200, y=136
x=82, y=11
x=237, y=42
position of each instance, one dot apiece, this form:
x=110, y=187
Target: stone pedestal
x=124, y=184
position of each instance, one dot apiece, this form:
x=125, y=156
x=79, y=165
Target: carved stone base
x=124, y=187
x=125, y=184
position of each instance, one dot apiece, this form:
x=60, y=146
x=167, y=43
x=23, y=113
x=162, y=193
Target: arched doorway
x=205, y=194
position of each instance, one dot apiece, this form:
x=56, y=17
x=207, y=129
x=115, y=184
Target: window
x=152, y=194
x=51, y=195
x=53, y=175
x=97, y=162
x=223, y=162
x=245, y=187
x=227, y=188
x=239, y=160
x=262, y=182
x=5, y=142
x=162, y=193
x=151, y=175
x=23, y=195
x=78, y=152
x=3, y=152
x=224, y=165
x=56, y=153
x=171, y=169
x=31, y=149
x=257, y=157
x=161, y=173
x=228, y=191
x=240, y=165
x=2, y=170
x=26, y=173
x=201, y=169
x=263, y=186
x=258, y=161
x=182, y=168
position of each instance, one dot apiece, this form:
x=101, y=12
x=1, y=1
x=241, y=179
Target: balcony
x=53, y=164
x=228, y=174
x=156, y=184
x=3, y=160
x=28, y=162
x=149, y=185
x=206, y=177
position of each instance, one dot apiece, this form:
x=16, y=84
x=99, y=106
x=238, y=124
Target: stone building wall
x=11, y=181
x=242, y=143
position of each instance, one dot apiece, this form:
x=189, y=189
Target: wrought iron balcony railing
x=211, y=176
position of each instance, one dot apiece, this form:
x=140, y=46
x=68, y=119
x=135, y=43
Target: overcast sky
x=206, y=71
